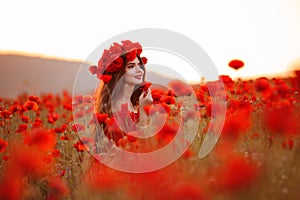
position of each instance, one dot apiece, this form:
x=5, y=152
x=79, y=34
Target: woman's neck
x=126, y=92
x=124, y=95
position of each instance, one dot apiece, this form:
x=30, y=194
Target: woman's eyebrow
x=133, y=63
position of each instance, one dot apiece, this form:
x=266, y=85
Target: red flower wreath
x=112, y=59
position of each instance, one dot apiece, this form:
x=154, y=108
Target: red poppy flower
x=93, y=69
x=282, y=89
x=232, y=127
x=103, y=179
x=144, y=60
x=236, y=64
x=113, y=130
x=50, y=106
x=11, y=187
x=14, y=108
x=5, y=157
x=22, y=127
x=145, y=86
x=3, y=145
x=64, y=127
x=169, y=100
x=36, y=124
x=33, y=98
x=22, y=108
x=37, y=165
x=226, y=79
x=79, y=146
x=105, y=78
x=156, y=98
x=116, y=65
x=101, y=117
x=64, y=138
x=68, y=106
x=25, y=119
x=6, y=114
x=58, y=130
x=31, y=105
x=237, y=173
x=130, y=56
x=55, y=153
x=262, y=84
x=167, y=133
x=41, y=138
x=52, y=117
x=281, y=121
x=50, y=120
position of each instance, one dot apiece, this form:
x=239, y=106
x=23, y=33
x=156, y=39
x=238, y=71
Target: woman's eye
x=130, y=66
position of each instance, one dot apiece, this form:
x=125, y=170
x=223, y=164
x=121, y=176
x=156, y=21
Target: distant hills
x=36, y=74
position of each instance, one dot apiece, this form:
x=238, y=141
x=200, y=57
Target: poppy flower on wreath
x=105, y=78
x=116, y=65
x=144, y=60
x=93, y=69
x=130, y=56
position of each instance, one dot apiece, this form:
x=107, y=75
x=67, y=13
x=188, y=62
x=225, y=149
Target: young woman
x=122, y=91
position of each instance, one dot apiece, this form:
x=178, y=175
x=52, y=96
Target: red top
x=116, y=129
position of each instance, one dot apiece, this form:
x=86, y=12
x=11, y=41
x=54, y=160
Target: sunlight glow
x=264, y=34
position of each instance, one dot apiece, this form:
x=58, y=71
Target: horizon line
x=288, y=73
x=38, y=55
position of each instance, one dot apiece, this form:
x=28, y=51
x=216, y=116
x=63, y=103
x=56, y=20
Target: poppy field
x=256, y=156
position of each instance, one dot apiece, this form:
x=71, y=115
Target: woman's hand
x=144, y=100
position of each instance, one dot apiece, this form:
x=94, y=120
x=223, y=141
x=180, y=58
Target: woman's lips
x=138, y=76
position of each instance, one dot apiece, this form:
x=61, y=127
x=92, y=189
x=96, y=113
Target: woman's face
x=133, y=72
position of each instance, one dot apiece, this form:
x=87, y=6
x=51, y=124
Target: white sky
x=265, y=34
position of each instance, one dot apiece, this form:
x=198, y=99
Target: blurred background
x=44, y=43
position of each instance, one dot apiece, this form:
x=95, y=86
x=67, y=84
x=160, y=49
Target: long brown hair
x=103, y=93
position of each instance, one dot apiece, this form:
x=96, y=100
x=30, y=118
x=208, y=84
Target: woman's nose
x=139, y=69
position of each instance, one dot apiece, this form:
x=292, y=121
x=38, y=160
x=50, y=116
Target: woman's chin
x=138, y=82
x=135, y=82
